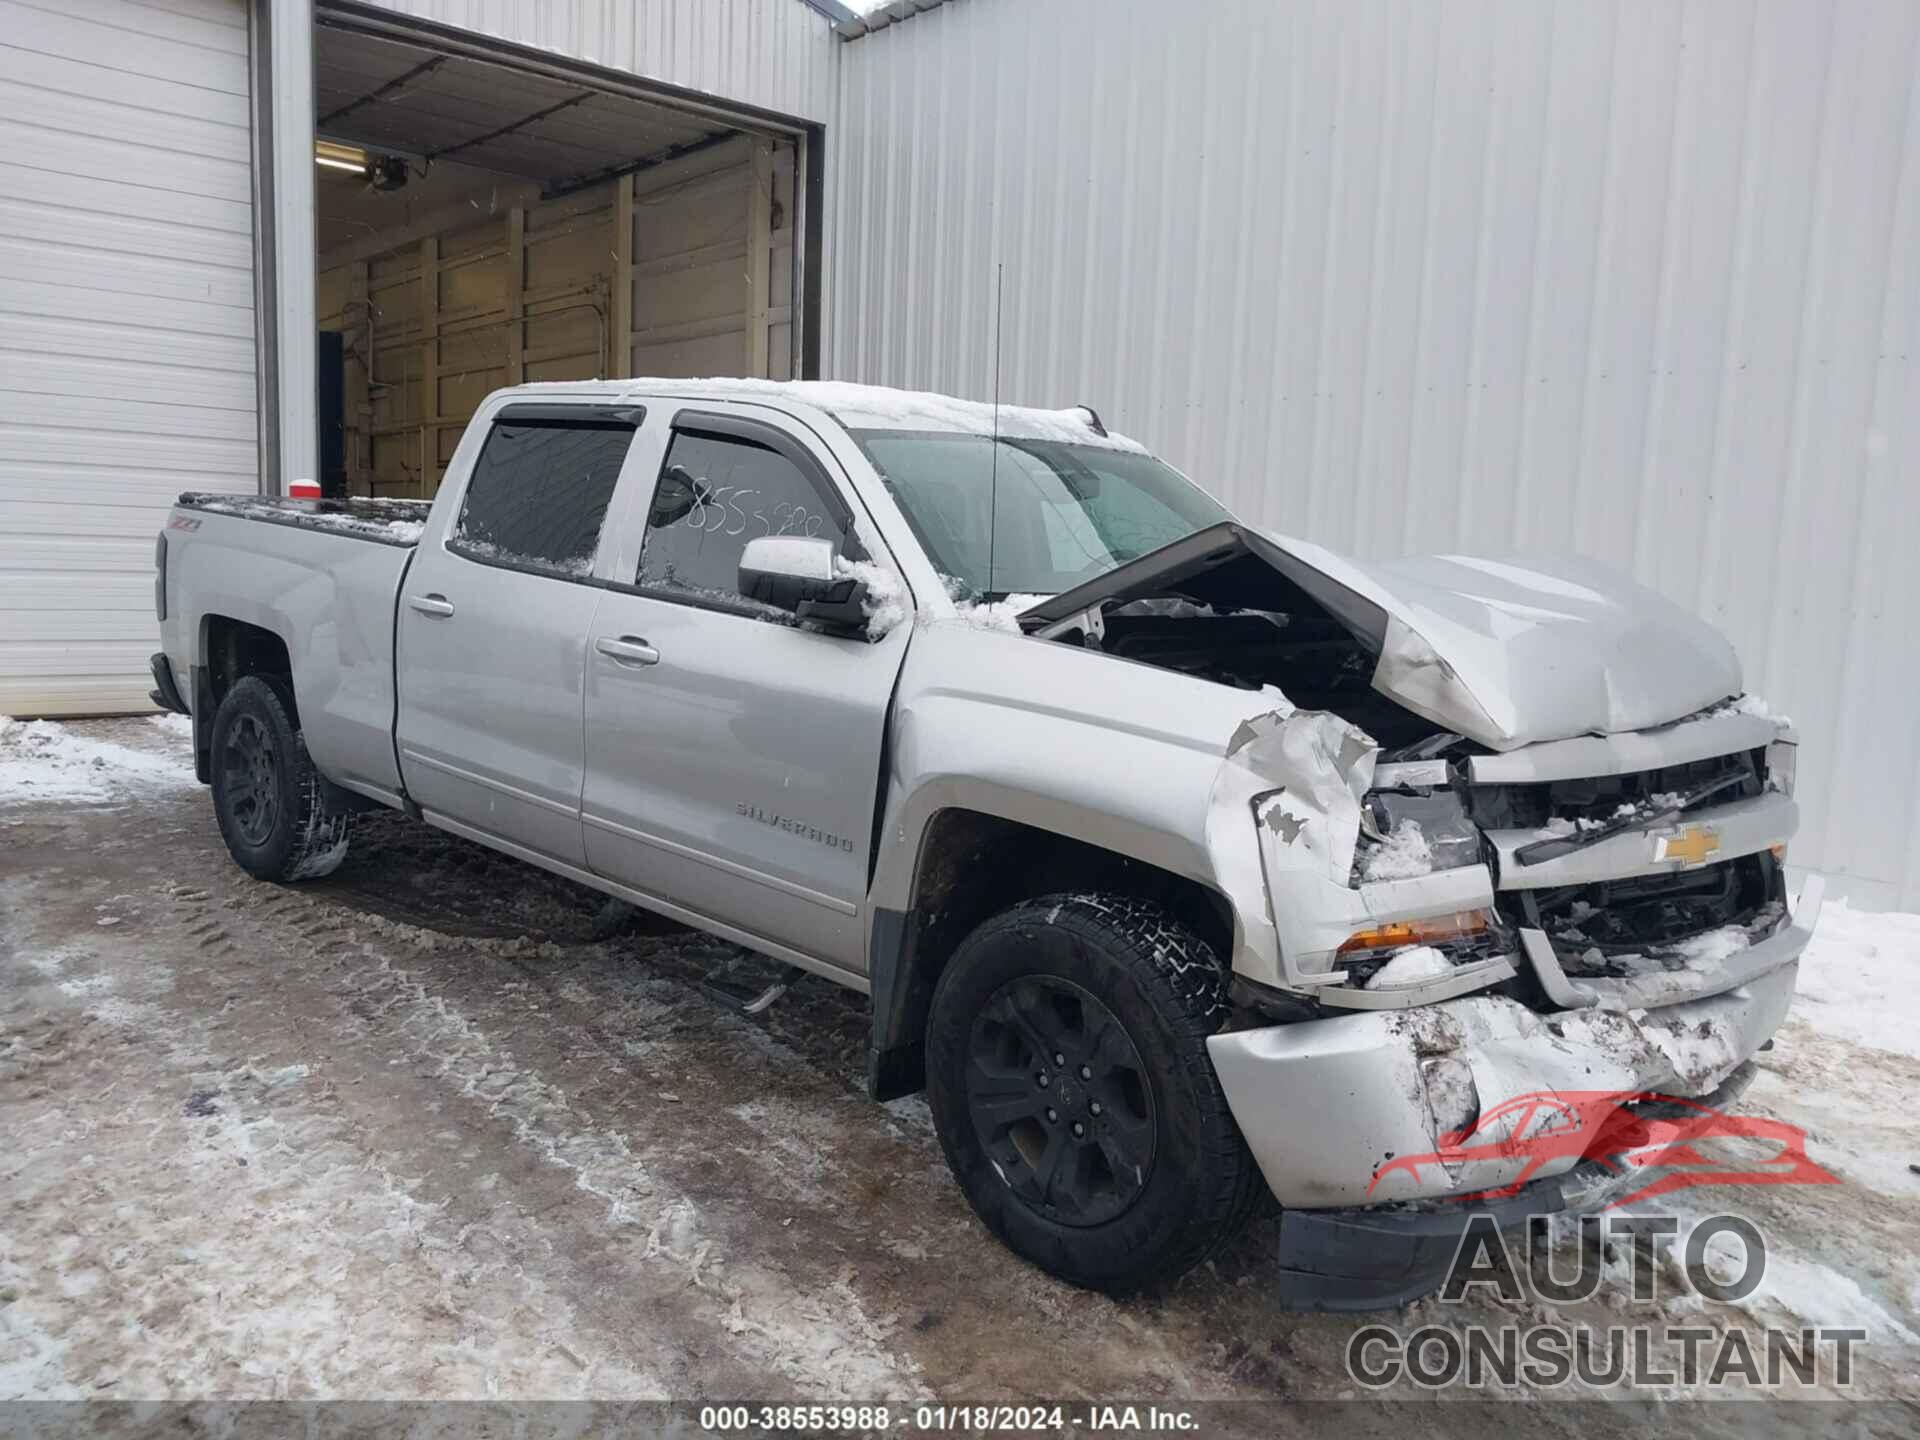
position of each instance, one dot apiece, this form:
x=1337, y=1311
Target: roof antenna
x=993, y=494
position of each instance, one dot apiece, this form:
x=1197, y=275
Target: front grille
x=1600, y=798
x=1666, y=921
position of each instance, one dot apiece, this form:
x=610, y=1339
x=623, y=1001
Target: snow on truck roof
x=875, y=407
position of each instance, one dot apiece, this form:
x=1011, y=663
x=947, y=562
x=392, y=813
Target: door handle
x=627, y=650
x=431, y=604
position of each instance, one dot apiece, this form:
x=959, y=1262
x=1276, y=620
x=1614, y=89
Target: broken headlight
x=1781, y=755
x=1406, y=833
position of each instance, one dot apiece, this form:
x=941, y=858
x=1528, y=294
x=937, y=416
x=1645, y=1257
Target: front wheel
x=1070, y=1084
x=267, y=796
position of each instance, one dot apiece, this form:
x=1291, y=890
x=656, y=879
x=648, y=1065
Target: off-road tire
x=269, y=799
x=1167, y=990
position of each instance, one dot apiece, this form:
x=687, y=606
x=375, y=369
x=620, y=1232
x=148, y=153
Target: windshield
x=1064, y=513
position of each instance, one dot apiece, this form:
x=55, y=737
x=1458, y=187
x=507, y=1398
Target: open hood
x=1505, y=652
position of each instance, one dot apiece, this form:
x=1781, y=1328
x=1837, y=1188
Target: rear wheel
x=1070, y=1084
x=269, y=799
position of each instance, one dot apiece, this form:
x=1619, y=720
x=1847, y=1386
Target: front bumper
x=1328, y=1105
x=1373, y=1259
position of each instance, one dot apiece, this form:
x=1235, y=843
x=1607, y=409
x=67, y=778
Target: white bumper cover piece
x=1328, y=1104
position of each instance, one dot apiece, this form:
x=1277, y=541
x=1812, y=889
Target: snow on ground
x=1860, y=979
x=42, y=760
x=296, y=1247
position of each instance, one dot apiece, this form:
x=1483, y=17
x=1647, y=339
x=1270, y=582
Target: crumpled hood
x=1505, y=652
x=1512, y=651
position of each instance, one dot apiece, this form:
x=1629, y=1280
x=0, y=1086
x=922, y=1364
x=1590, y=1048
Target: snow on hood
x=1505, y=652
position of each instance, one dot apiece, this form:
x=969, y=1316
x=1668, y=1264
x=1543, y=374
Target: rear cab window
x=538, y=496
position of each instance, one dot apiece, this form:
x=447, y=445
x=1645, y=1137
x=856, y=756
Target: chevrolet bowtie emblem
x=1690, y=846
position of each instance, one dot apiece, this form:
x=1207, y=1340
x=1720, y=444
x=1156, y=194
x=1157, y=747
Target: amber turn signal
x=1424, y=931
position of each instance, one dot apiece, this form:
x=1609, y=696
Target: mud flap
x=897, y=1051
x=1378, y=1259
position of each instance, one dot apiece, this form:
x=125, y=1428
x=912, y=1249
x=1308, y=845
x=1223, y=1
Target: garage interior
x=480, y=225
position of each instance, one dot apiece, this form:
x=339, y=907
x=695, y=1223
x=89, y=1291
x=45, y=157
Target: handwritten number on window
x=717, y=514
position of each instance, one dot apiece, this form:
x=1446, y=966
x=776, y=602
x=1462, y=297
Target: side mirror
x=795, y=573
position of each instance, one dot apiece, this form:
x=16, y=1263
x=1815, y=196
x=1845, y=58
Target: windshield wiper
x=1555, y=846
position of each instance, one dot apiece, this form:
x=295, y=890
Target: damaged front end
x=1624, y=931
x=1496, y=833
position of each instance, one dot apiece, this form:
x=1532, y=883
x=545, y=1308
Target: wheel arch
x=970, y=863
x=228, y=650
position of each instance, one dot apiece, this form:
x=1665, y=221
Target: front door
x=733, y=757
x=493, y=629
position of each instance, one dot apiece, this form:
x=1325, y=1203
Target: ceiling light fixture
x=335, y=156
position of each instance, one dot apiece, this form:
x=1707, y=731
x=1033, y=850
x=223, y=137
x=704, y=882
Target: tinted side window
x=539, y=493
x=715, y=495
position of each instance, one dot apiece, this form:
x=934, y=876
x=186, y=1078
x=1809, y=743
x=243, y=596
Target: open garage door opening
x=480, y=224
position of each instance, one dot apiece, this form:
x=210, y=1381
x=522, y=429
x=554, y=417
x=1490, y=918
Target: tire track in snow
x=822, y=1340
x=154, y=1253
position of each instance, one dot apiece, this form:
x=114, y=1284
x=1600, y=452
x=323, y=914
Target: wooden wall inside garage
x=685, y=269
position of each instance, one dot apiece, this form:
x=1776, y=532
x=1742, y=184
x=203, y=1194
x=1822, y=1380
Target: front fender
x=1120, y=756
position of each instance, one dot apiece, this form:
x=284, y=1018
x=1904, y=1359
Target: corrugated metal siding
x=1632, y=279
x=776, y=54
x=126, y=324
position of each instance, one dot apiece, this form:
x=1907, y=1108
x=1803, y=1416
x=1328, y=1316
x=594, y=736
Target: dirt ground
x=412, y=1131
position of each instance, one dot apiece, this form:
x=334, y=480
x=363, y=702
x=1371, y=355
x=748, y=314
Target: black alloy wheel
x=1059, y=1098
x=252, y=778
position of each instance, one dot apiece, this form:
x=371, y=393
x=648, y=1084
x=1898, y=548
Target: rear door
x=494, y=616
x=734, y=757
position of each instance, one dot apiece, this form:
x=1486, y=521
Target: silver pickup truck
x=1184, y=864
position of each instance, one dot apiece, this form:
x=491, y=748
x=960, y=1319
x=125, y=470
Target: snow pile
x=47, y=761
x=1403, y=855
x=1752, y=705
x=885, y=603
x=1423, y=962
x=1712, y=947
x=397, y=522
x=996, y=614
x=490, y=552
x=178, y=726
x=1860, y=979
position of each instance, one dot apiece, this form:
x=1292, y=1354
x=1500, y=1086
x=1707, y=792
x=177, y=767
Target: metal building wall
x=127, y=315
x=776, y=54
x=1633, y=279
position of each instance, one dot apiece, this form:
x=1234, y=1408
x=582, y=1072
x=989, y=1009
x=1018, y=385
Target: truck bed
x=386, y=522
x=322, y=578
